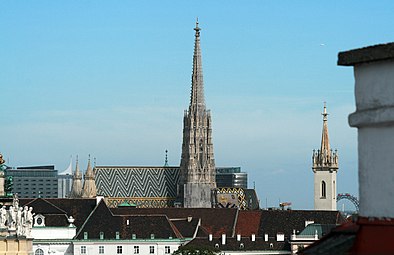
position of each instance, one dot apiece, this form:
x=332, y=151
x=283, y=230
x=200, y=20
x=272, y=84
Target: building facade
x=231, y=177
x=325, y=168
x=34, y=181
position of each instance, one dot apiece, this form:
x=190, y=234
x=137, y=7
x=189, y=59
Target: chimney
x=210, y=237
x=238, y=237
x=266, y=237
x=253, y=237
x=223, y=239
x=98, y=199
x=374, y=119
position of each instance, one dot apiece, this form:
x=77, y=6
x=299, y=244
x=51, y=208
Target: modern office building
x=231, y=177
x=34, y=181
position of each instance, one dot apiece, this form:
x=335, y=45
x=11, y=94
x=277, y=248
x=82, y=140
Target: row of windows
x=29, y=188
x=117, y=235
x=119, y=250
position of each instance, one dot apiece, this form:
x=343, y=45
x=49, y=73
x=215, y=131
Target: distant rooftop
x=46, y=167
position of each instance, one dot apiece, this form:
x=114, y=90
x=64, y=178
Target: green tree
x=196, y=250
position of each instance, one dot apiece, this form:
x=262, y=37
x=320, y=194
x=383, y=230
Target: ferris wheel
x=349, y=197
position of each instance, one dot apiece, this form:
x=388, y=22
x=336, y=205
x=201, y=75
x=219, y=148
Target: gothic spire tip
x=197, y=29
x=325, y=112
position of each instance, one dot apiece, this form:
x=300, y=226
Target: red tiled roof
x=248, y=223
x=215, y=221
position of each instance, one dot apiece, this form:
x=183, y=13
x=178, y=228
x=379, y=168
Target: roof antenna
x=166, y=160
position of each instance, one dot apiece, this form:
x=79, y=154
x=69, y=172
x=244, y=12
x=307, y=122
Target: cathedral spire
x=89, y=185
x=197, y=101
x=197, y=170
x=76, y=190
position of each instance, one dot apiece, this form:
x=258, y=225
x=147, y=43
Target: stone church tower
x=76, y=190
x=197, y=170
x=325, y=168
x=89, y=184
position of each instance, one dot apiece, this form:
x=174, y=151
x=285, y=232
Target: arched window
x=323, y=189
x=39, y=252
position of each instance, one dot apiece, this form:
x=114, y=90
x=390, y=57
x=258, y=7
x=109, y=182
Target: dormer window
x=39, y=220
x=280, y=237
x=117, y=235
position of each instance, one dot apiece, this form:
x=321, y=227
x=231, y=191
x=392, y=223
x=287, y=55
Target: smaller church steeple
x=89, y=185
x=325, y=167
x=325, y=158
x=76, y=190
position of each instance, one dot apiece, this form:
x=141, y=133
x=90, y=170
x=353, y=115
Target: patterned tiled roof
x=113, y=181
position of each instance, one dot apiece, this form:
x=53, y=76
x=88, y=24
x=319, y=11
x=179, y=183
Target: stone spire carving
x=325, y=158
x=197, y=177
x=197, y=101
x=89, y=184
x=325, y=167
x=76, y=190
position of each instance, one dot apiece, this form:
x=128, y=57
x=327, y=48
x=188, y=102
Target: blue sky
x=112, y=78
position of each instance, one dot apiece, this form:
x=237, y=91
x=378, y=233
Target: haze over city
x=112, y=79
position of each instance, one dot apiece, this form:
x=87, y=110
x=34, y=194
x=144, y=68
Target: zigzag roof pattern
x=136, y=181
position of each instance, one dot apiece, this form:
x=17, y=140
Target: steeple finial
x=197, y=29
x=325, y=142
x=166, y=160
x=325, y=114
